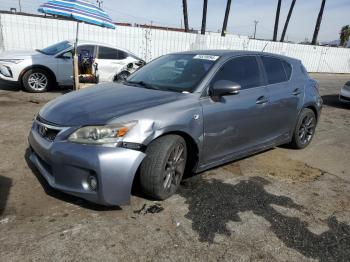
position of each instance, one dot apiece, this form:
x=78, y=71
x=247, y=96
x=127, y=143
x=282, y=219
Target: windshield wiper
x=142, y=84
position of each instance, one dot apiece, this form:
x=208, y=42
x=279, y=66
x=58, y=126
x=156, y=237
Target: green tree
x=344, y=35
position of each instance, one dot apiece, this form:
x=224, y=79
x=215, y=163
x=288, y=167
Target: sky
x=241, y=20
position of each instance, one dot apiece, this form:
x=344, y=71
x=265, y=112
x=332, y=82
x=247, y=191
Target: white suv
x=39, y=69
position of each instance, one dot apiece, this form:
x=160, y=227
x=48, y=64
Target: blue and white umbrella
x=79, y=10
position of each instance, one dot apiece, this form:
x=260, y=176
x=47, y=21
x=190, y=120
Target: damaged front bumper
x=69, y=166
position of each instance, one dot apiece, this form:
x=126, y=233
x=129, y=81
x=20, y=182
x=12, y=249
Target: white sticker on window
x=207, y=57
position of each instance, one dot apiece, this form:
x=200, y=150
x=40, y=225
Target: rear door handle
x=296, y=92
x=261, y=100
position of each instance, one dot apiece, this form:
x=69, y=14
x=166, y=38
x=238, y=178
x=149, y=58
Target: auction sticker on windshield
x=207, y=57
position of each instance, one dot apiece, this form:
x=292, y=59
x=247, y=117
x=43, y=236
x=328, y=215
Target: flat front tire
x=163, y=167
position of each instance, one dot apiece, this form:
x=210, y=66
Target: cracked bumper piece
x=68, y=167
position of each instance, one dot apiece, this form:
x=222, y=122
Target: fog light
x=92, y=182
x=5, y=70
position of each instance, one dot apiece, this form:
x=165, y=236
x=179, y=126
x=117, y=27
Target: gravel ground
x=280, y=205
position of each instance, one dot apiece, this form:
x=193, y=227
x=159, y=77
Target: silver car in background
x=38, y=70
x=183, y=112
x=344, y=95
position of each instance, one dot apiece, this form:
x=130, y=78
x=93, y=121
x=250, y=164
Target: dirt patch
x=277, y=164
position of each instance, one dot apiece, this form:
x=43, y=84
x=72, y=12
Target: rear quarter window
x=287, y=69
x=274, y=68
x=303, y=70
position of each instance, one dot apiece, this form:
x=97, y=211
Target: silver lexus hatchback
x=183, y=112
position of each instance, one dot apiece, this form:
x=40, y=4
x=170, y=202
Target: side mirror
x=225, y=87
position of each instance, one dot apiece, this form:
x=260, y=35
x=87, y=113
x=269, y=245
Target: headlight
x=13, y=61
x=99, y=135
x=5, y=70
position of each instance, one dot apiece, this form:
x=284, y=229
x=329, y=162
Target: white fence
x=26, y=32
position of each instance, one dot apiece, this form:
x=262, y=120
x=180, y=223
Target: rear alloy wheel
x=305, y=129
x=162, y=169
x=36, y=80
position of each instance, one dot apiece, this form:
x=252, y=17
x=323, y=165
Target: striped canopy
x=79, y=10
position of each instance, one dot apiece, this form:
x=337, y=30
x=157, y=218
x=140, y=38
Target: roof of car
x=89, y=42
x=230, y=53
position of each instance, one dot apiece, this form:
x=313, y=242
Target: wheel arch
x=313, y=108
x=192, y=148
x=42, y=67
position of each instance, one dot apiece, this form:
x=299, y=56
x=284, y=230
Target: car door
x=65, y=63
x=65, y=68
x=284, y=97
x=236, y=123
x=110, y=62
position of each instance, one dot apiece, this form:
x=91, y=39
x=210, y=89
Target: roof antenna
x=265, y=47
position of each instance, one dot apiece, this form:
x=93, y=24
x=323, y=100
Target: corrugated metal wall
x=25, y=32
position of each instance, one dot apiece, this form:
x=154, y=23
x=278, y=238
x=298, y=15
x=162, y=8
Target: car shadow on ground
x=5, y=185
x=333, y=101
x=16, y=87
x=63, y=196
x=213, y=203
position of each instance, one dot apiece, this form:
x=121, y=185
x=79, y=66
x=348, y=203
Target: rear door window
x=241, y=70
x=111, y=53
x=86, y=50
x=274, y=69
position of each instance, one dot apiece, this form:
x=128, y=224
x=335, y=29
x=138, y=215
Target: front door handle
x=296, y=92
x=261, y=100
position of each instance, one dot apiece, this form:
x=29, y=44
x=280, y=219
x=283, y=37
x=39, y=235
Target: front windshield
x=56, y=48
x=176, y=72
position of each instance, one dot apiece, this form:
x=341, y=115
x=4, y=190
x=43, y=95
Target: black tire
x=161, y=172
x=122, y=76
x=304, y=129
x=36, y=80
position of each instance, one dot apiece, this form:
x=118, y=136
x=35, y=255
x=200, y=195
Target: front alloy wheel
x=36, y=80
x=174, y=167
x=163, y=167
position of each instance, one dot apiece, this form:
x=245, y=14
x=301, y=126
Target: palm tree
x=227, y=12
x=184, y=6
x=287, y=20
x=318, y=23
x=344, y=35
x=204, y=18
x=277, y=20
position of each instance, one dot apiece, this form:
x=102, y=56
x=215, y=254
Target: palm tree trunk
x=227, y=12
x=287, y=20
x=318, y=23
x=184, y=6
x=204, y=17
x=277, y=20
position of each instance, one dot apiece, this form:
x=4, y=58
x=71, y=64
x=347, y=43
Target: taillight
x=316, y=86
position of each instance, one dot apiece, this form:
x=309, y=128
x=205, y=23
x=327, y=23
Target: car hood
x=19, y=54
x=102, y=103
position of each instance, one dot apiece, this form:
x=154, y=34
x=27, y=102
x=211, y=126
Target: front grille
x=47, y=131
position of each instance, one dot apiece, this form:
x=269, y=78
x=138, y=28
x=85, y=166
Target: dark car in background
x=183, y=112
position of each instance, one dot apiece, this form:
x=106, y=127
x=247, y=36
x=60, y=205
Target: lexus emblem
x=42, y=130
